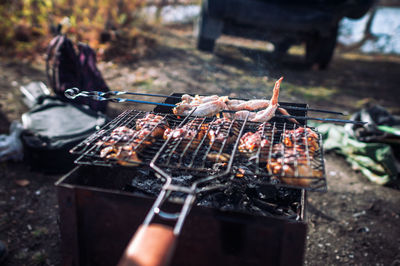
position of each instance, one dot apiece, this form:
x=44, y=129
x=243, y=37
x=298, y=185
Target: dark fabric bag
x=68, y=68
x=375, y=116
x=52, y=128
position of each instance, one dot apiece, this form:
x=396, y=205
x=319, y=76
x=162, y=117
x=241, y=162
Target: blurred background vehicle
x=283, y=23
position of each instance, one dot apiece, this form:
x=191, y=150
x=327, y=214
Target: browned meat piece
x=218, y=157
x=154, y=123
x=214, y=104
x=250, y=143
x=292, y=166
x=251, y=105
x=118, y=136
x=123, y=144
x=184, y=133
x=193, y=132
x=125, y=155
x=197, y=100
x=304, y=139
x=204, y=109
x=221, y=130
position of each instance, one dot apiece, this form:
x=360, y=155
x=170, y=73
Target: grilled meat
x=241, y=115
x=291, y=161
x=125, y=155
x=251, y=141
x=197, y=100
x=210, y=108
x=155, y=124
x=252, y=144
x=222, y=130
x=189, y=134
x=213, y=105
x=125, y=143
x=269, y=112
x=251, y=105
x=293, y=168
x=303, y=138
x=119, y=135
x=218, y=157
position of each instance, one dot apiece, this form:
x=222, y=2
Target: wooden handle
x=152, y=245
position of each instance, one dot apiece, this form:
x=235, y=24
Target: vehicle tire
x=358, y=9
x=281, y=49
x=204, y=44
x=319, y=49
x=207, y=29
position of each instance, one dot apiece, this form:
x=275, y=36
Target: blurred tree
x=27, y=25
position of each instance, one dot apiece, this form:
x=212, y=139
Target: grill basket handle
x=152, y=245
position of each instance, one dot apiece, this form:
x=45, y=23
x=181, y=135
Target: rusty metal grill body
x=97, y=220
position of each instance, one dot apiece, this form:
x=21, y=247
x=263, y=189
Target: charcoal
x=253, y=199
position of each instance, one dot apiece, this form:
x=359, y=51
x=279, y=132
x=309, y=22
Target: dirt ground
x=356, y=222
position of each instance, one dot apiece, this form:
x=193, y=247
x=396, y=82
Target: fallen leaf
x=22, y=182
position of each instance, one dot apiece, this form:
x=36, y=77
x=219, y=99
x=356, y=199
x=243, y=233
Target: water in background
x=385, y=26
x=173, y=14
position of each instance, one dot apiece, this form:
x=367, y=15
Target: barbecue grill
x=251, y=214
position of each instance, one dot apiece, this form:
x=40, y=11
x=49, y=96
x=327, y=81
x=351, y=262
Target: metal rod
x=311, y=109
x=333, y=120
x=102, y=96
x=121, y=100
x=111, y=93
x=116, y=93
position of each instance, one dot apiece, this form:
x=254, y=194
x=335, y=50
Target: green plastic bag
x=375, y=160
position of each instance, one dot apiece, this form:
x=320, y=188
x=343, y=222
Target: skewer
x=117, y=93
x=311, y=110
x=75, y=92
x=122, y=100
x=333, y=120
x=97, y=95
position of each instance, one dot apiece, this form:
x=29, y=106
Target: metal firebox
x=99, y=213
x=97, y=220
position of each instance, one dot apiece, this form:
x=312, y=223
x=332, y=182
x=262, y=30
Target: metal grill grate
x=279, y=153
x=286, y=154
x=119, y=143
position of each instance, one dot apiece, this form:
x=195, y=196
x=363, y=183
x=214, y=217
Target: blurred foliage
x=28, y=25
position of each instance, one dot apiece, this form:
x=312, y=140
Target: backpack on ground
x=53, y=127
x=69, y=67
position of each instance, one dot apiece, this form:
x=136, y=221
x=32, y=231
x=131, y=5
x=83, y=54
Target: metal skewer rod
x=311, y=110
x=293, y=108
x=116, y=93
x=333, y=120
x=122, y=100
x=178, y=97
x=96, y=95
x=75, y=92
